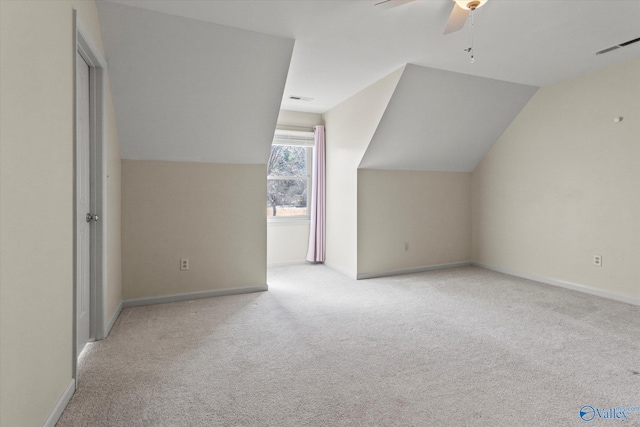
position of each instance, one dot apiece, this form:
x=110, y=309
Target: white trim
x=62, y=403
x=112, y=321
x=413, y=270
x=293, y=137
x=74, y=328
x=291, y=128
x=97, y=68
x=192, y=295
x=288, y=220
x=89, y=47
x=287, y=263
x=561, y=283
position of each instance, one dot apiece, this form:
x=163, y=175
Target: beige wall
x=36, y=208
x=212, y=214
x=349, y=129
x=431, y=211
x=562, y=184
x=287, y=242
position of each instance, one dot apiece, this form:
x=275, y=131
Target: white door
x=83, y=205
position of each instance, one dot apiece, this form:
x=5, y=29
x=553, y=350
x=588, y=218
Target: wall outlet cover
x=597, y=260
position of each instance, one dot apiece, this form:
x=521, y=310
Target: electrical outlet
x=597, y=260
x=184, y=264
x=406, y=246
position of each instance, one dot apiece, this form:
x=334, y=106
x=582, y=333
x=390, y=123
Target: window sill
x=288, y=221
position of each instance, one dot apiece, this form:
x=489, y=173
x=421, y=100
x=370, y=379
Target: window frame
x=303, y=139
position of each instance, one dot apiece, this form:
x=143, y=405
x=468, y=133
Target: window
x=289, y=175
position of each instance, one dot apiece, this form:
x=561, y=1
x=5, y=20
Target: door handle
x=90, y=218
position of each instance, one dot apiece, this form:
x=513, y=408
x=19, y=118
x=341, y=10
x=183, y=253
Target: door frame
x=84, y=44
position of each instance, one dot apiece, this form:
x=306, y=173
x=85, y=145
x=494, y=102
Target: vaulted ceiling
x=204, y=80
x=343, y=46
x=188, y=90
x=443, y=121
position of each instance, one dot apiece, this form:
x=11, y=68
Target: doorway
x=89, y=194
x=85, y=219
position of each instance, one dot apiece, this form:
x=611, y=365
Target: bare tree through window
x=287, y=180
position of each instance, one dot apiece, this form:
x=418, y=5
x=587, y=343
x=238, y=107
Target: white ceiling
x=344, y=46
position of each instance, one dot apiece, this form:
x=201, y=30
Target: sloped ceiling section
x=188, y=90
x=439, y=120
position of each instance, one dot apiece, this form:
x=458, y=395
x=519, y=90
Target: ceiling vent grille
x=300, y=98
x=618, y=46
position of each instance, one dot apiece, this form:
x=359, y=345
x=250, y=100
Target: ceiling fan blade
x=388, y=4
x=457, y=19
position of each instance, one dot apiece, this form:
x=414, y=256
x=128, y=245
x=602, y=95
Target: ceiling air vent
x=300, y=98
x=618, y=46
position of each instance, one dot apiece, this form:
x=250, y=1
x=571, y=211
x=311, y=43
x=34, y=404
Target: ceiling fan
x=458, y=17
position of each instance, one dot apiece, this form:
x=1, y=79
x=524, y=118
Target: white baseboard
x=62, y=403
x=562, y=283
x=412, y=270
x=112, y=321
x=285, y=264
x=192, y=295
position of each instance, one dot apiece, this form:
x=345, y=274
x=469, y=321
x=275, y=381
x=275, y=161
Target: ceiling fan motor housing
x=473, y=4
x=470, y=4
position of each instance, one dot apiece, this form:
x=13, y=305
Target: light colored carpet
x=456, y=347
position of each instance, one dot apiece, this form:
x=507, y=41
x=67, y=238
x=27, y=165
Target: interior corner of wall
x=386, y=88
